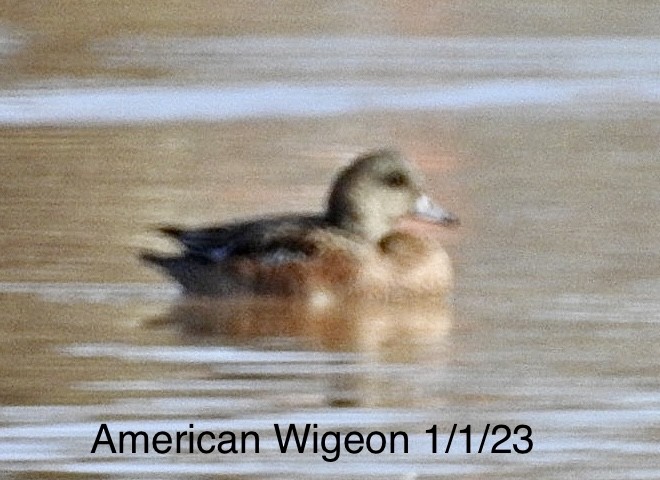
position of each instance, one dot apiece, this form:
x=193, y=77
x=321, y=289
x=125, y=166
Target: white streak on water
x=199, y=354
x=171, y=104
x=112, y=293
x=266, y=468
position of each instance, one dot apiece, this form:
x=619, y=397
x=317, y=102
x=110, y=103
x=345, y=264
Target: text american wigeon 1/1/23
x=353, y=249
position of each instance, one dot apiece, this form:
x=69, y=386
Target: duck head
x=369, y=196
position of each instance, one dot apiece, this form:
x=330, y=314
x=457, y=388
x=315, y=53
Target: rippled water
x=547, y=146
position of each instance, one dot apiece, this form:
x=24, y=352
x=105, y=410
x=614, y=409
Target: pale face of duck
x=375, y=191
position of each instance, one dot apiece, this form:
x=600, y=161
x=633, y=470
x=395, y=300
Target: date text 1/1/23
x=504, y=441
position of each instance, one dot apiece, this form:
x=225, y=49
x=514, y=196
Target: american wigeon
x=353, y=249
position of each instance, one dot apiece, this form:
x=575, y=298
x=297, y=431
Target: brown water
x=545, y=142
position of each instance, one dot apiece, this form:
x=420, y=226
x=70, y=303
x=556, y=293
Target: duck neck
x=369, y=227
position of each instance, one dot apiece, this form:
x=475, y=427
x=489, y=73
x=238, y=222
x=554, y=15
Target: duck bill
x=425, y=209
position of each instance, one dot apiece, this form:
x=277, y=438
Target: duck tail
x=161, y=261
x=170, y=231
x=190, y=271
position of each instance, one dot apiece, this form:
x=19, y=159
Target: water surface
x=545, y=143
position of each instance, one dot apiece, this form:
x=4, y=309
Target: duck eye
x=395, y=179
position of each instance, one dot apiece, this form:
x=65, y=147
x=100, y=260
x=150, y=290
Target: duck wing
x=278, y=238
x=273, y=241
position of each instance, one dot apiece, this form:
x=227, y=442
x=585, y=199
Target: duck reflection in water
x=348, y=279
x=392, y=331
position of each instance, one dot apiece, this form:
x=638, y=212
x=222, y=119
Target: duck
x=351, y=250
